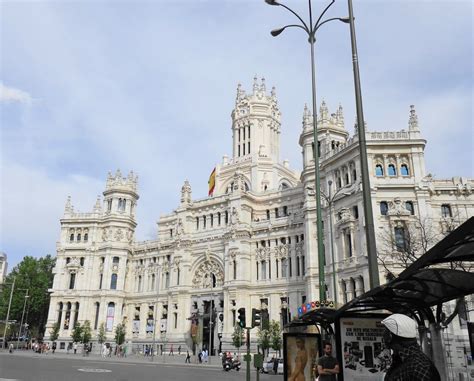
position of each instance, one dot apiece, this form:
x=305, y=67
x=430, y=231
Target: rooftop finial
x=68, y=208
x=340, y=116
x=273, y=92
x=255, y=84
x=263, y=87
x=413, y=120
x=323, y=111
x=97, y=206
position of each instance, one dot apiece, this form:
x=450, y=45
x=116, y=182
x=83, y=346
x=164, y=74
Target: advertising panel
x=300, y=354
x=361, y=351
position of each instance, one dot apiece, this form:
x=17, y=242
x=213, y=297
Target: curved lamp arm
x=345, y=20
x=316, y=25
x=276, y=32
x=274, y=2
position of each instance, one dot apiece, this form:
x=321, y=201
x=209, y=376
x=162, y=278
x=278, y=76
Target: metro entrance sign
x=314, y=305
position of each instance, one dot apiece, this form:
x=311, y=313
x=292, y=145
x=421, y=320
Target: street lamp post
x=8, y=314
x=369, y=216
x=332, y=243
x=22, y=316
x=311, y=32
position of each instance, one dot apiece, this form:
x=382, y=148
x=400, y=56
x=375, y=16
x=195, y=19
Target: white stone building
x=253, y=242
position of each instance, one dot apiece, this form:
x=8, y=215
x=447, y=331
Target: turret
x=120, y=195
x=256, y=123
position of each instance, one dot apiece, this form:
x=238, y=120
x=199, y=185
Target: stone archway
x=208, y=274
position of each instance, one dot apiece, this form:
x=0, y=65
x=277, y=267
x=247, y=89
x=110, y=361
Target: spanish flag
x=212, y=182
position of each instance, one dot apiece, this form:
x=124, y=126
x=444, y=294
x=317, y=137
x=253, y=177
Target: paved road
x=34, y=367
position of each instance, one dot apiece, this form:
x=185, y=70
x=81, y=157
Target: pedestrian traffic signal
x=241, y=317
x=256, y=317
x=265, y=319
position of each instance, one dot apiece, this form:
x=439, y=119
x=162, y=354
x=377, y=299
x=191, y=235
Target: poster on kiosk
x=361, y=352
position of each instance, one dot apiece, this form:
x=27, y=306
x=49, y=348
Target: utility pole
x=8, y=314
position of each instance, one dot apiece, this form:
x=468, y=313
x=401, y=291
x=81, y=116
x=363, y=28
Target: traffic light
x=241, y=317
x=256, y=317
x=265, y=319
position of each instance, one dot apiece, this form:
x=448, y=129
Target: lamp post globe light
x=311, y=30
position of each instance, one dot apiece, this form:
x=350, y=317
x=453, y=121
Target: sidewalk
x=215, y=362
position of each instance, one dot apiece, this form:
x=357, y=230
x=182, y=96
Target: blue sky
x=87, y=87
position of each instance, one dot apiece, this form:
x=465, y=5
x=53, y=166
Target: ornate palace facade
x=253, y=242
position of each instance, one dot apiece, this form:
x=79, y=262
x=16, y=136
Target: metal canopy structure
x=436, y=277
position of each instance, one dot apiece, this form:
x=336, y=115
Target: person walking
x=408, y=360
x=179, y=350
x=74, y=346
x=171, y=351
x=275, y=365
x=54, y=347
x=328, y=366
x=188, y=358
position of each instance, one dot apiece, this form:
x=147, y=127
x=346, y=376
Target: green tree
x=101, y=334
x=86, y=332
x=238, y=336
x=76, y=333
x=120, y=334
x=54, y=333
x=275, y=336
x=264, y=340
x=36, y=275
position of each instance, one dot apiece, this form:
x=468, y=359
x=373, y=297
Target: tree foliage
x=101, y=334
x=86, y=332
x=275, y=336
x=76, y=333
x=54, y=333
x=120, y=334
x=238, y=338
x=264, y=339
x=36, y=276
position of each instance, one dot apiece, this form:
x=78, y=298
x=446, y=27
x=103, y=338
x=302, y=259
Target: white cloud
x=10, y=94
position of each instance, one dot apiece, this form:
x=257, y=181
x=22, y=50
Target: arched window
x=219, y=218
x=81, y=261
x=78, y=237
x=139, y=285
x=68, y=260
x=116, y=260
x=60, y=312
x=86, y=237
x=404, y=170
x=214, y=280
x=354, y=175
x=109, y=324
x=284, y=186
x=383, y=208
x=167, y=280
x=211, y=220
x=392, y=170
x=204, y=220
x=113, y=282
x=226, y=217
x=197, y=223
x=234, y=269
x=379, y=170
x=71, y=237
x=339, y=183
x=409, y=207
x=153, y=281
x=268, y=214
x=67, y=317
x=347, y=179
x=72, y=281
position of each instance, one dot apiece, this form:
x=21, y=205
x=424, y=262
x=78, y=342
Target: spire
x=240, y=94
x=323, y=111
x=97, y=206
x=306, y=115
x=273, y=92
x=255, y=84
x=68, y=208
x=340, y=117
x=186, y=193
x=413, y=120
x=263, y=87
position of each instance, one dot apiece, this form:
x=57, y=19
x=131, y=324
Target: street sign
x=258, y=360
